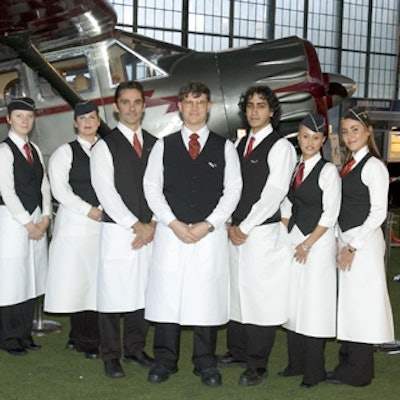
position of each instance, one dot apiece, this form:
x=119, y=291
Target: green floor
x=56, y=373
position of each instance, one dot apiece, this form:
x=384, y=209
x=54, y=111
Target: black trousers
x=250, y=343
x=167, y=345
x=356, y=364
x=306, y=357
x=134, y=334
x=84, y=331
x=16, y=323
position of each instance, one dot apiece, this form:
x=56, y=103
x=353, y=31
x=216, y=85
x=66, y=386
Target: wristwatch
x=351, y=250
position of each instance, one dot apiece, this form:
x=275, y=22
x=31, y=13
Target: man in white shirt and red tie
x=117, y=166
x=192, y=183
x=260, y=252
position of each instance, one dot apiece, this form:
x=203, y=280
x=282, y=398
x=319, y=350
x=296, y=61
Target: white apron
x=23, y=262
x=189, y=283
x=260, y=276
x=364, y=310
x=73, y=263
x=123, y=272
x=312, y=294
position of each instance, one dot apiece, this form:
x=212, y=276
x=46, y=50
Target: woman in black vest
x=74, y=249
x=25, y=209
x=364, y=311
x=310, y=212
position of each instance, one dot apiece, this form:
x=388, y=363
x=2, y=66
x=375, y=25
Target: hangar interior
x=355, y=38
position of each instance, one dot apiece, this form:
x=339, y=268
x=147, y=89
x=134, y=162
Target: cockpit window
x=125, y=65
x=74, y=70
x=10, y=87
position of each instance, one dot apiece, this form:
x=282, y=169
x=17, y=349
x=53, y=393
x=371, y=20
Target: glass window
x=10, y=87
x=132, y=58
x=74, y=70
x=126, y=65
x=251, y=19
x=165, y=14
x=353, y=66
x=124, y=10
x=289, y=18
x=382, y=77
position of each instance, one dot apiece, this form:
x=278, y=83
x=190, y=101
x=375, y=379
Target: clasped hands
x=236, y=236
x=189, y=233
x=36, y=231
x=144, y=234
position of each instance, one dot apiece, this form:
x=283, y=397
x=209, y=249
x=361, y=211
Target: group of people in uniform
x=191, y=230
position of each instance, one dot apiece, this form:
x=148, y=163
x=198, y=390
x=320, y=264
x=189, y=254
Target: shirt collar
x=85, y=144
x=128, y=133
x=19, y=142
x=311, y=162
x=361, y=153
x=203, y=133
x=261, y=135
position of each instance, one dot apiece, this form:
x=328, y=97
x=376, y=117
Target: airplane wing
x=48, y=22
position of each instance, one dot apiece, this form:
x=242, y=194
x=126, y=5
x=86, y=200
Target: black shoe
x=333, y=381
x=252, y=376
x=140, y=358
x=307, y=385
x=229, y=360
x=330, y=378
x=283, y=374
x=113, y=369
x=287, y=372
x=160, y=373
x=70, y=345
x=93, y=354
x=19, y=351
x=32, y=346
x=209, y=376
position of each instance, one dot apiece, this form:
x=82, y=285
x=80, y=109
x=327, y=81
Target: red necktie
x=137, y=146
x=299, y=177
x=28, y=153
x=347, y=168
x=194, y=145
x=250, y=147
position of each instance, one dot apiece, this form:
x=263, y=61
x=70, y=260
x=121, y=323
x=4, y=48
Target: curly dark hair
x=267, y=94
x=196, y=88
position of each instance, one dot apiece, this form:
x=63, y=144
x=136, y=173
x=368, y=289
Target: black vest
x=27, y=178
x=128, y=172
x=193, y=187
x=79, y=175
x=356, y=203
x=307, y=201
x=255, y=172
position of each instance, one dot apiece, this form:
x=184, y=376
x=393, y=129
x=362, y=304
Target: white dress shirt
x=102, y=175
x=7, y=186
x=329, y=182
x=153, y=182
x=60, y=164
x=281, y=161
